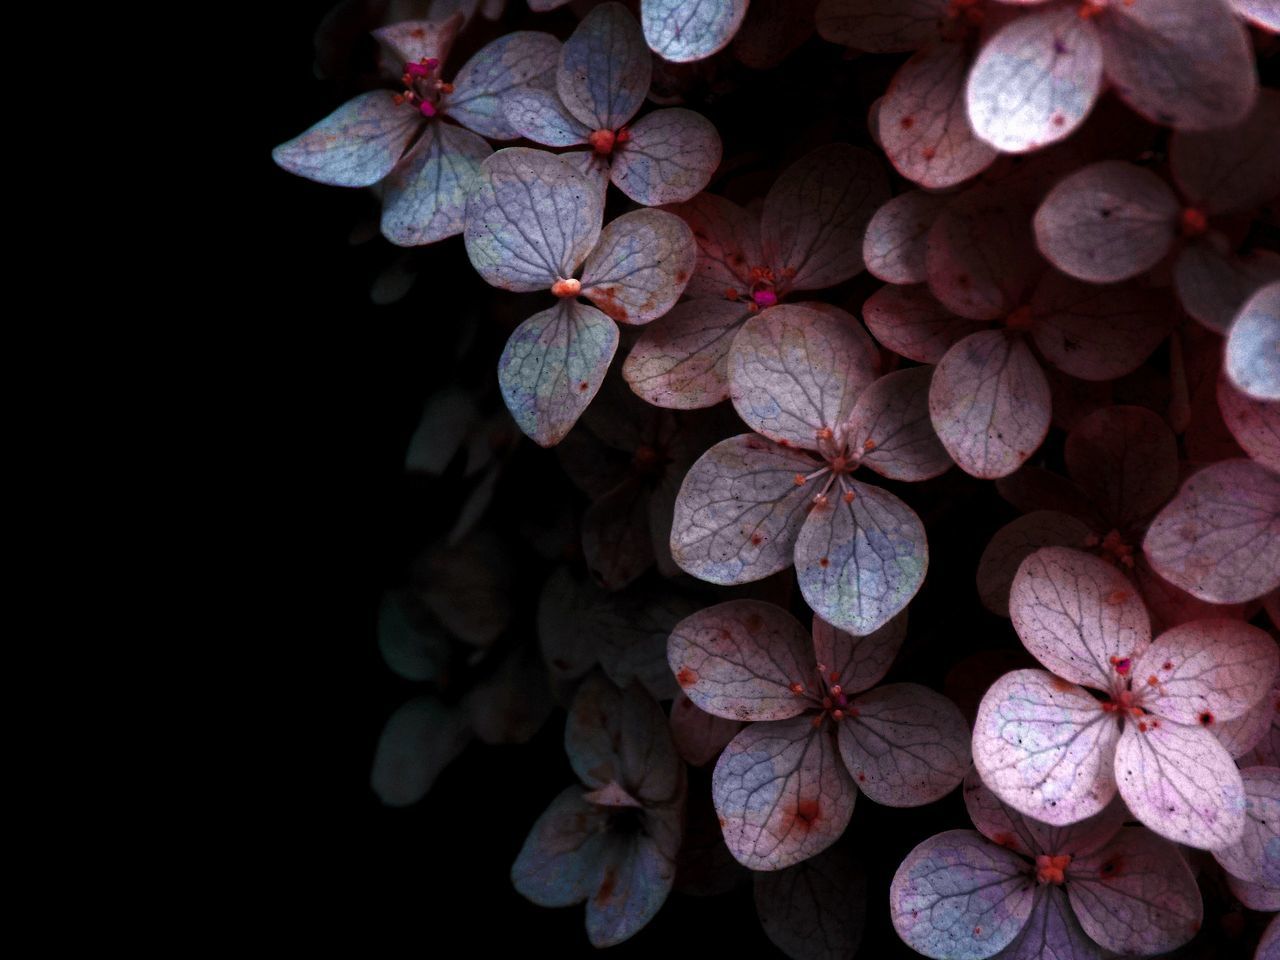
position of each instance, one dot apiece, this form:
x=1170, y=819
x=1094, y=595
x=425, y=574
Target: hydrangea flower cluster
x=1031, y=239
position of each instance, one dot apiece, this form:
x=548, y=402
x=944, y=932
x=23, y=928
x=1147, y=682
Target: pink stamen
x=427, y=109
x=764, y=298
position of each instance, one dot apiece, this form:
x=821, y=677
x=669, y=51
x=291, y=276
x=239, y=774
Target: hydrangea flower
x=807, y=236
x=1187, y=64
x=1123, y=467
x=533, y=222
x=1036, y=74
x=1110, y=221
x=613, y=840
x=600, y=84
x=989, y=399
x=785, y=786
x=1018, y=889
x=803, y=380
x=424, y=166
x=1052, y=750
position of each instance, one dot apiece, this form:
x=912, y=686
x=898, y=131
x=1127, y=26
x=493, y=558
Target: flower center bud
x=566, y=287
x=422, y=86
x=602, y=141
x=1052, y=869
x=1193, y=222
x=764, y=298
x=1020, y=319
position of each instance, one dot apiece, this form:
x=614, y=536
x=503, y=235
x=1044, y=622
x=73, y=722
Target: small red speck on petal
x=907, y=123
x=1167, y=665
x=928, y=153
x=1152, y=680
x=1206, y=718
x=756, y=539
x=582, y=386
x=800, y=481
x=730, y=293
x=977, y=931
x=797, y=688
x=1142, y=727
x=687, y=677
x=1117, y=597
x=824, y=433
x=1059, y=119
x=823, y=562
x=868, y=445
x=862, y=776
x=848, y=496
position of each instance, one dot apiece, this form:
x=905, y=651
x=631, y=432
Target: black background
x=346, y=395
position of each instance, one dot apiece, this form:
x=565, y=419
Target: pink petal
x=1213, y=284
x=1136, y=896
x=496, y=71
x=782, y=793
x=672, y=154
x=1253, y=423
x=858, y=663
x=1253, y=345
x=881, y=26
x=1052, y=932
x=1219, y=538
x=1184, y=63
x=355, y=146
x=1246, y=732
x=1207, y=670
x=960, y=897
x=1107, y=222
x=640, y=266
x=742, y=660
x=895, y=242
x=816, y=213
x=552, y=366
x=923, y=125
x=1125, y=459
x=795, y=372
x=1256, y=858
x=1181, y=783
x=1035, y=80
x=989, y=402
x=1098, y=333
x=604, y=68
x=425, y=196
x=686, y=30
x=815, y=909
x=699, y=736
x=740, y=510
x=1016, y=541
x=1078, y=615
x=911, y=322
x=1045, y=747
x=681, y=361
x=980, y=257
x=728, y=245
x=890, y=421
x=1235, y=169
x=860, y=562
x=905, y=745
x=413, y=40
